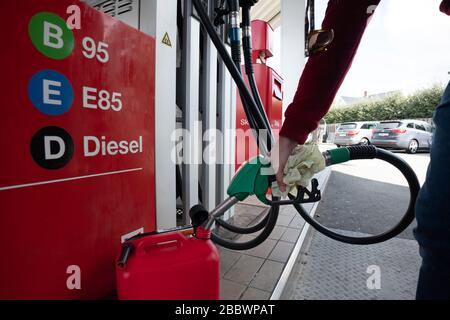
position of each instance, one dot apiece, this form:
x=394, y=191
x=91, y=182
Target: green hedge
x=419, y=105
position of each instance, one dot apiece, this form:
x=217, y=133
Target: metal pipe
x=220, y=211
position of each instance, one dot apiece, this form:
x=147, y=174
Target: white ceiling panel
x=268, y=10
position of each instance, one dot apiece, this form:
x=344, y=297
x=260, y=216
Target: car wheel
x=413, y=147
x=364, y=142
x=338, y=145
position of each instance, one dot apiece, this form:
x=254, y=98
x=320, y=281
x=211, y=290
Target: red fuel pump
x=77, y=165
x=270, y=85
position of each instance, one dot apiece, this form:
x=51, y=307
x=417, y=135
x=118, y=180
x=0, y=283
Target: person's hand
x=279, y=157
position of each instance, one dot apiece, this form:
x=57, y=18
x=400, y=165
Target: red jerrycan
x=169, y=266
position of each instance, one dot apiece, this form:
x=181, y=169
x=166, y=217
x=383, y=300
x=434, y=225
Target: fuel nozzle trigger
x=313, y=195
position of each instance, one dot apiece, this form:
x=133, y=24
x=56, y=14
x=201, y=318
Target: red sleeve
x=445, y=7
x=325, y=72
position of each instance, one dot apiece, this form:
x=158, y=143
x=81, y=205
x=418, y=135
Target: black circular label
x=52, y=148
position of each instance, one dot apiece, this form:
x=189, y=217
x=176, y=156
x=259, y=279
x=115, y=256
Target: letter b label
x=51, y=36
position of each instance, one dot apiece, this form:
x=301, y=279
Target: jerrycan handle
x=160, y=238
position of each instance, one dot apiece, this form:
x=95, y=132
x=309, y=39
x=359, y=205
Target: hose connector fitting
x=235, y=30
x=202, y=234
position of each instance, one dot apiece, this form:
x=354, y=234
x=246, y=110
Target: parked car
x=408, y=135
x=353, y=133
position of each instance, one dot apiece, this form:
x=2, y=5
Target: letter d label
x=52, y=148
x=48, y=148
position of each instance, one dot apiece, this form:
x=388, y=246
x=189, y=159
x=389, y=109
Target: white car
x=355, y=133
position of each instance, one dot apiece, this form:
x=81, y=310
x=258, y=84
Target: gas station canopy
x=268, y=10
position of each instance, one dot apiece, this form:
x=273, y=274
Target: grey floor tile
x=267, y=277
x=277, y=233
x=308, y=207
x=284, y=221
x=255, y=294
x=297, y=223
x=230, y=290
x=246, y=238
x=244, y=270
x=291, y=235
x=288, y=211
x=254, y=201
x=263, y=250
x=227, y=260
x=281, y=252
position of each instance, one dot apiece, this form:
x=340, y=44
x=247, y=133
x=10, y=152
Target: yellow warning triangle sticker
x=166, y=40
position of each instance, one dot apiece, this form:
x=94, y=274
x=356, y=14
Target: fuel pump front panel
x=77, y=165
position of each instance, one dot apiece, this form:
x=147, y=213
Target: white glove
x=304, y=162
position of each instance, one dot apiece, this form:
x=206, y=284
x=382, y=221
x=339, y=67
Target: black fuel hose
x=247, y=45
x=249, y=70
x=236, y=56
x=270, y=225
x=371, y=152
x=234, y=71
x=255, y=115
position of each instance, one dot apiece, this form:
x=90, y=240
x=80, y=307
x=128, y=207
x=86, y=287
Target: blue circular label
x=50, y=92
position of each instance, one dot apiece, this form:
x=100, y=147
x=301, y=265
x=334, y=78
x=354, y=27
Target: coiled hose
x=272, y=218
x=369, y=152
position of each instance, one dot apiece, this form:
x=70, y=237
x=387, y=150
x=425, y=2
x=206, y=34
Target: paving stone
x=244, y=270
x=281, y=252
x=291, y=235
x=246, y=237
x=227, y=260
x=297, y=223
x=254, y=201
x=308, y=206
x=267, y=277
x=255, y=294
x=263, y=250
x=284, y=220
x=277, y=233
x=230, y=290
x=288, y=211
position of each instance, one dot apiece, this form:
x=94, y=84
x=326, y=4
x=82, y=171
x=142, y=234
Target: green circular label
x=51, y=36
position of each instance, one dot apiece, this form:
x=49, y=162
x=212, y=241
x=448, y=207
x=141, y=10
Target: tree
x=419, y=105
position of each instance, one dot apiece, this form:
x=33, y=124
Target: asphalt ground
x=369, y=196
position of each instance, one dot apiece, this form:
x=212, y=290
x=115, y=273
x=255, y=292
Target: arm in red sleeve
x=445, y=7
x=325, y=72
